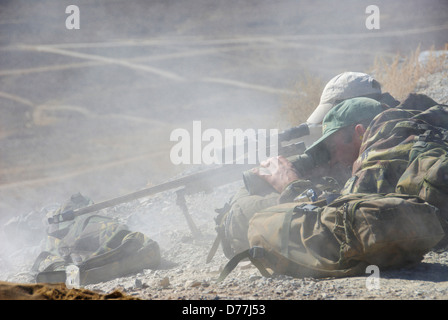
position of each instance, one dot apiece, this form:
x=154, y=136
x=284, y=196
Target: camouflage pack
x=406, y=152
x=393, y=210
x=99, y=246
x=343, y=238
x=232, y=221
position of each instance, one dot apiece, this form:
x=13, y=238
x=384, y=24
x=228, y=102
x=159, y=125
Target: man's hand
x=277, y=171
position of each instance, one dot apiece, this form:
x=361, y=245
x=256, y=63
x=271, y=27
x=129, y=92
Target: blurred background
x=91, y=110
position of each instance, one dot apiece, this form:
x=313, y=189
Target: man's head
x=343, y=128
x=344, y=86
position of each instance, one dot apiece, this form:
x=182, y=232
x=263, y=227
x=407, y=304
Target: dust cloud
x=90, y=110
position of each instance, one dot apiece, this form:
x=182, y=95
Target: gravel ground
x=435, y=86
x=184, y=275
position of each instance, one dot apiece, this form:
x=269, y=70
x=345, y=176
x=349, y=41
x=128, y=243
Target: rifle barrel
x=192, y=183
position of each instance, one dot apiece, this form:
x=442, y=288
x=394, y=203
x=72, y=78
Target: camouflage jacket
x=389, y=146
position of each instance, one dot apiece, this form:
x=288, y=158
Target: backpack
x=341, y=239
x=233, y=219
x=405, y=158
x=427, y=172
x=98, y=246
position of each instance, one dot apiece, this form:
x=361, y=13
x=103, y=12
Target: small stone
x=254, y=278
x=192, y=284
x=138, y=283
x=165, y=282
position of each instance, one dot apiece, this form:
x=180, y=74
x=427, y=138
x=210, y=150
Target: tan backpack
x=343, y=238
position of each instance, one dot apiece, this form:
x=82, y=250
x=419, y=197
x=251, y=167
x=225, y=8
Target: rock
x=165, y=282
x=138, y=283
x=427, y=56
x=254, y=278
x=192, y=284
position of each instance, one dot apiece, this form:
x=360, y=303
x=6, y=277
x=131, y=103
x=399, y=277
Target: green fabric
x=94, y=242
x=343, y=238
x=392, y=211
x=233, y=221
x=348, y=112
x=405, y=152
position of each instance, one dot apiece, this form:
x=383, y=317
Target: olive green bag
x=99, y=246
x=427, y=174
x=233, y=219
x=343, y=238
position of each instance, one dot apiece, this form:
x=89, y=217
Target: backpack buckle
x=256, y=252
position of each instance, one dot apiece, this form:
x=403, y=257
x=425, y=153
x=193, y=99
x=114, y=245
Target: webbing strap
x=41, y=257
x=428, y=131
x=232, y=264
x=214, y=248
x=284, y=236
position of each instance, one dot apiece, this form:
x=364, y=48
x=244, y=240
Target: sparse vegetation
x=297, y=108
x=398, y=76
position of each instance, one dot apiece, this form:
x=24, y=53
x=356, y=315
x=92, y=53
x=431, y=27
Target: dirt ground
x=91, y=111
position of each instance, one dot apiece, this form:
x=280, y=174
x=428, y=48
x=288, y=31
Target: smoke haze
x=91, y=110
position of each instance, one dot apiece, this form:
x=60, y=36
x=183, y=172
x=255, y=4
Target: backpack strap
x=424, y=130
x=41, y=257
x=214, y=248
x=220, y=221
x=253, y=254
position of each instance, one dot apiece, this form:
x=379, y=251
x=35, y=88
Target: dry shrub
x=400, y=76
x=298, y=107
x=54, y=291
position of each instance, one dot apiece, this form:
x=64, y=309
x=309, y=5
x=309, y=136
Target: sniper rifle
x=194, y=183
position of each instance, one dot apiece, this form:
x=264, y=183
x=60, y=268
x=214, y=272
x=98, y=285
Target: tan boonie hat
x=344, y=86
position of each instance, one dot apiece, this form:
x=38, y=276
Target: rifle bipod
x=180, y=201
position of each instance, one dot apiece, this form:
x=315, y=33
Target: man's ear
x=359, y=130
